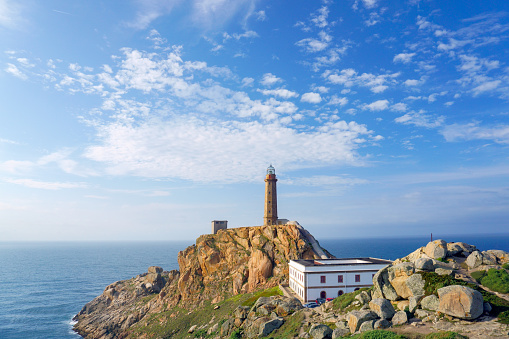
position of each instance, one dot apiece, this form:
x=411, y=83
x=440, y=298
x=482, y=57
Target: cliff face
x=240, y=260
x=219, y=265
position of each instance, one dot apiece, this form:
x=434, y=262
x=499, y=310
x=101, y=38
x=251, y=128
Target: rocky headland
x=227, y=287
x=218, y=266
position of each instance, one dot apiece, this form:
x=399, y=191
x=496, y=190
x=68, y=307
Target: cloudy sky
x=147, y=119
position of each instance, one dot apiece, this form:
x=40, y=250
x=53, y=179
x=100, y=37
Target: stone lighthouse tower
x=270, y=216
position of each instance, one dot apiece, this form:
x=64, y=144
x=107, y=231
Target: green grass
x=506, y=266
x=496, y=280
x=378, y=334
x=433, y=282
x=445, y=335
x=237, y=334
x=478, y=275
x=343, y=301
x=290, y=328
x=265, y=293
x=162, y=325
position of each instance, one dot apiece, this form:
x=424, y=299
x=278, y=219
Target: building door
x=323, y=295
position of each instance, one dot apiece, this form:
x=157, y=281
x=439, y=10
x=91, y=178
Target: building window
x=322, y=279
x=340, y=278
x=323, y=295
x=357, y=278
x=340, y=292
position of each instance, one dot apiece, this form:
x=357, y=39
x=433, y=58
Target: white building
x=329, y=278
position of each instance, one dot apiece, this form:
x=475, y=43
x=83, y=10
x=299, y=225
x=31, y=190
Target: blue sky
x=145, y=120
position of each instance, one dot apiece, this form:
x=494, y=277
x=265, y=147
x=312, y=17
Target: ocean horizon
x=44, y=284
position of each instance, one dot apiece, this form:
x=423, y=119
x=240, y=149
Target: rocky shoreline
x=429, y=290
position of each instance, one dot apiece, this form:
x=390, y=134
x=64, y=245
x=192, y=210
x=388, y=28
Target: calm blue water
x=43, y=285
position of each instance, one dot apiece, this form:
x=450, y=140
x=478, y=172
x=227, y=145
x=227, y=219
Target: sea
x=44, y=284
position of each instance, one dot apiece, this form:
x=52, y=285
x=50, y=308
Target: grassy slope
x=175, y=322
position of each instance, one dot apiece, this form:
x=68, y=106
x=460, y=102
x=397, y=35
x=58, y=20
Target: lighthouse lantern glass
x=271, y=170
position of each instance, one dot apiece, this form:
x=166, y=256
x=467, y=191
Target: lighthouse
x=270, y=215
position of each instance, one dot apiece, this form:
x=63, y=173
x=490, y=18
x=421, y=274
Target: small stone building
x=219, y=225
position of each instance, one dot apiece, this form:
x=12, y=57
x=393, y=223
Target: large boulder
x=436, y=249
x=382, y=307
x=241, y=312
x=339, y=332
x=363, y=297
x=415, y=284
x=474, y=260
x=502, y=256
x=459, y=249
x=488, y=258
x=382, y=287
x=460, y=302
x=399, y=318
x=287, y=306
x=398, y=275
x=414, y=302
x=356, y=318
x=424, y=264
x=268, y=327
x=381, y=324
x=367, y=326
x=319, y=331
x=431, y=302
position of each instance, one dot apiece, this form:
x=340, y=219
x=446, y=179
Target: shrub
x=378, y=334
x=237, y=334
x=503, y=317
x=200, y=333
x=496, y=280
x=445, y=335
x=506, y=266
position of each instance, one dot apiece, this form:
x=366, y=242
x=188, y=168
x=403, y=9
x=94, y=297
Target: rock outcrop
x=233, y=261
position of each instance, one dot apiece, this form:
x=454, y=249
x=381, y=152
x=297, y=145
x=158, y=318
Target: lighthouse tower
x=270, y=216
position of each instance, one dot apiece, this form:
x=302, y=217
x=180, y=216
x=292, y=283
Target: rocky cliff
x=233, y=261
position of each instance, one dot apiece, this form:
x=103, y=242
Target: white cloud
x=270, y=79
x=314, y=45
x=335, y=100
x=280, y=92
x=367, y=3
x=247, y=82
x=378, y=105
x=404, y=57
x=349, y=77
x=399, y=107
x=311, y=97
x=320, y=19
x=149, y=10
x=197, y=150
x=420, y=119
x=10, y=13
x=472, y=131
x=453, y=44
x=486, y=87
x=412, y=82
x=45, y=185
x=13, y=70
x=261, y=16
x=246, y=35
